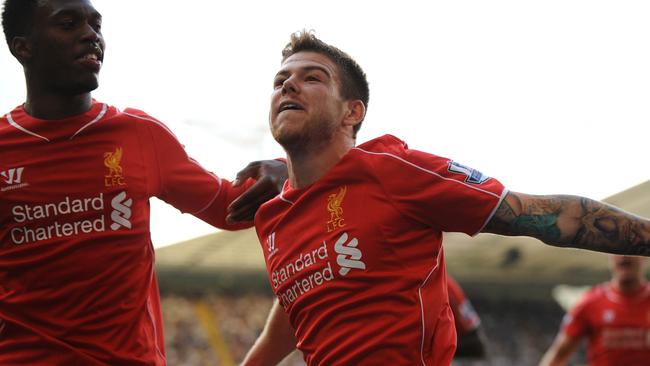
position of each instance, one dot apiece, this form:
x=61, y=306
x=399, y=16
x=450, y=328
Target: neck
x=45, y=104
x=628, y=285
x=57, y=106
x=306, y=167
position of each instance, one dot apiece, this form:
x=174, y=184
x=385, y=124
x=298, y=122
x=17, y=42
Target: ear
x=356, y=112
x=21, y=49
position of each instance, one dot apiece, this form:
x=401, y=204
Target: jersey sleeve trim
x=494, y=210
x=428, y=171
x=215, y=195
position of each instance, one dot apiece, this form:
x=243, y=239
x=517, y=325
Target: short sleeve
x=435, y=190
x=575, y=323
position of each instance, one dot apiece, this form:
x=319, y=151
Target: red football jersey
x=617, y=326
x=356, y=258
x=77, y=281
x=465, y=317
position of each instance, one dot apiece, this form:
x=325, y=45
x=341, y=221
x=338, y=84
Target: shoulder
x=591, y=298
x=386, y=144
x=393, y=148
x=145, y=119
x=138, y=115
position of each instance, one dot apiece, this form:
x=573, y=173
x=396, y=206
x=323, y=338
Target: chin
x=291, y=141
x=81, y=87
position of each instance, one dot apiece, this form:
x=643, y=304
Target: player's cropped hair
x=354, y=84
x=17, y=18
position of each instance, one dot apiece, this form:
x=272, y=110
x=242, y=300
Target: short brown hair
x=354, y=84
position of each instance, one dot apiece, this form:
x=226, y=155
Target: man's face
x=67, y=47
x=627, y=268
x=306, y=104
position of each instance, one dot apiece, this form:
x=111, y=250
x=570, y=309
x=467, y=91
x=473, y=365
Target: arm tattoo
x=571, y=221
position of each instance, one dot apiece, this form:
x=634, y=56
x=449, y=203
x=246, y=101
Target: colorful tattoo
x=572, y=221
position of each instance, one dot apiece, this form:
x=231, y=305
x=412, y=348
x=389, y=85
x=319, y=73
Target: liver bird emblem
x=112, y=162
x=334, y=202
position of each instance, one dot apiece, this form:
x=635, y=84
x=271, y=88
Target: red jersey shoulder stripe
x=426, y=170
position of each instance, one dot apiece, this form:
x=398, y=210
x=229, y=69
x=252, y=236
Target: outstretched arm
x=560, y=351
x=571, y=221
x=276, y=341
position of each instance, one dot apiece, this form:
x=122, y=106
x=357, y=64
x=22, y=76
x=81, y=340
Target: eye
x=277, y=83
x=312, y=78
x=67, y=24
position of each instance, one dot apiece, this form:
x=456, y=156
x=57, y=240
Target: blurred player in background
x=614, y=317
x=77, y=280
x=353, y=244
x=469, y=333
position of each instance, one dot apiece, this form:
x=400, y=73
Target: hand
x=270, y=176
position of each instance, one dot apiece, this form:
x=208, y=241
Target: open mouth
x=92, y=59
x=290, y=106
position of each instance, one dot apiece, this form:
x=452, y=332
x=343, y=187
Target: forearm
x=572, y=221
x=560, y=351
x=550, y=360
x=276, y=341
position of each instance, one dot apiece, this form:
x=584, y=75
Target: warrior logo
x=112, y=162
x=349, y=256
x=270, y=244
x=121, y=211
x=334, y=202
x=13, y=176
x=14, y=179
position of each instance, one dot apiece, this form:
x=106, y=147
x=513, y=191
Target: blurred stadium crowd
x=518, y=332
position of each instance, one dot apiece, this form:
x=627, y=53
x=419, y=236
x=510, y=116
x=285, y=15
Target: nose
x=92, y=35
x=290, y=86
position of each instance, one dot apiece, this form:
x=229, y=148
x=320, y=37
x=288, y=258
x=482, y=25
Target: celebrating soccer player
x=614, y=317
x=77, y=281
x=353, y=243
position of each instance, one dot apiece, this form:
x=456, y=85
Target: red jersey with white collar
x=466, y=319
x=77, y=281
x=356, y=258
x=616, y=325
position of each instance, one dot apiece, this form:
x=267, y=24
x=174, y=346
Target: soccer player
x=614, y=317
x=77, y=281
x=469, y=334
x=353, y=243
